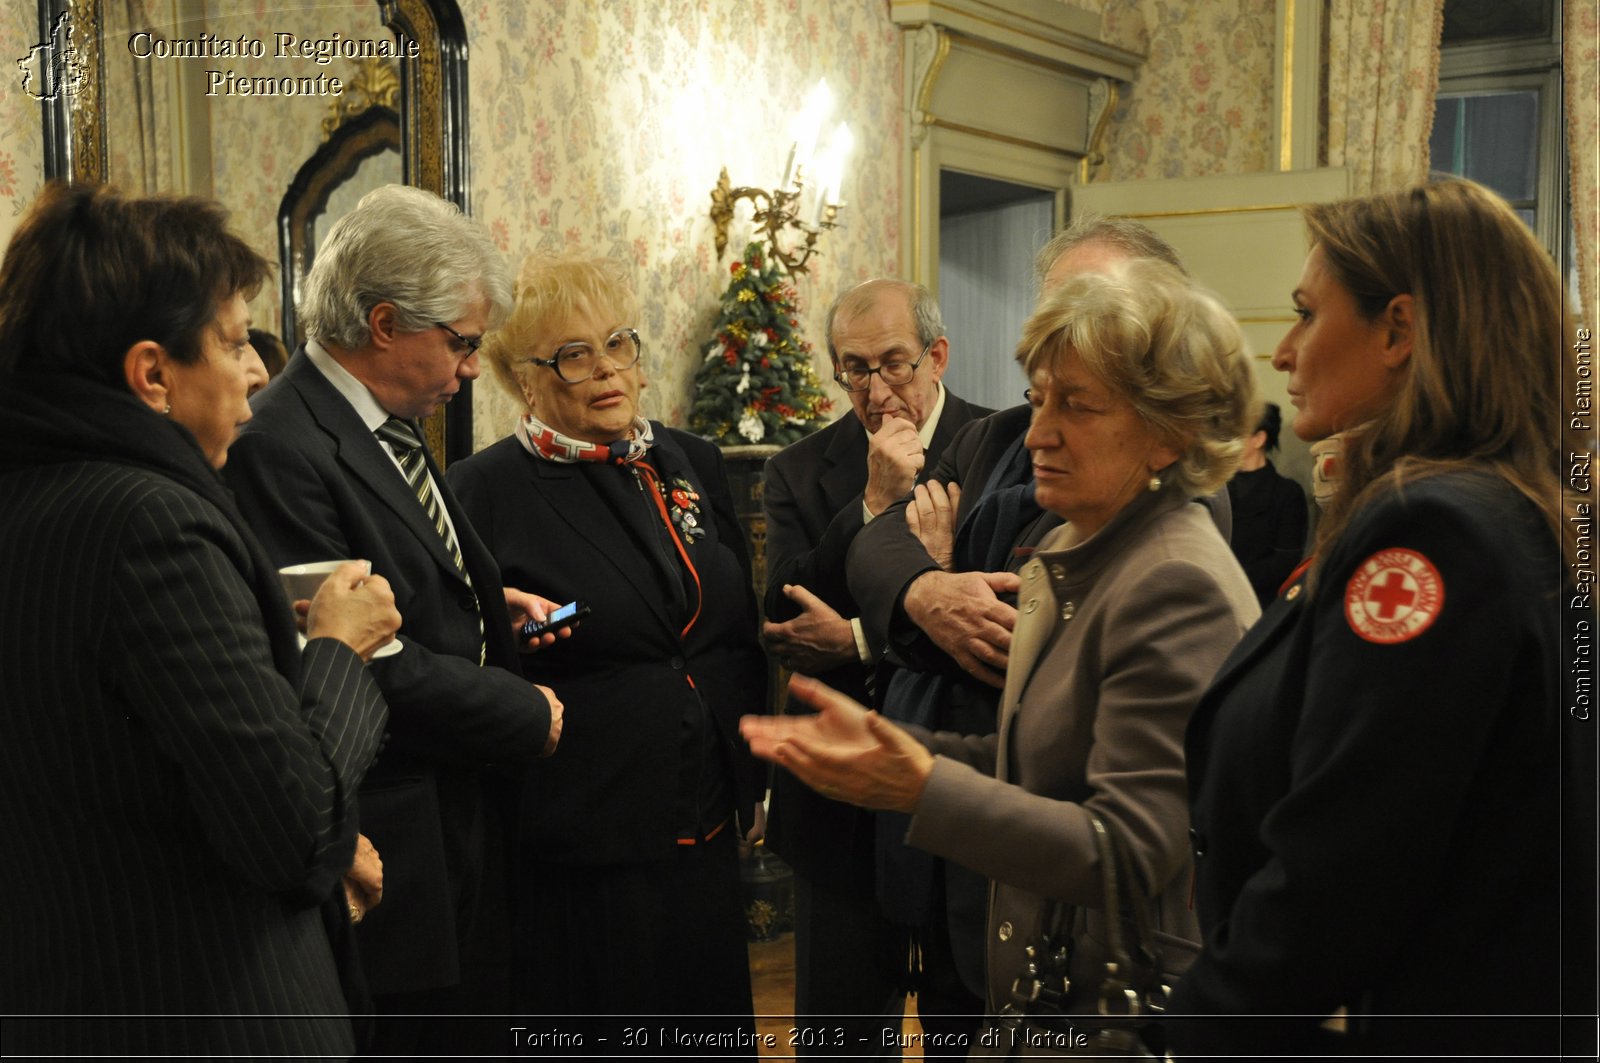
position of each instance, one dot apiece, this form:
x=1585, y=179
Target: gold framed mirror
x=121, y=111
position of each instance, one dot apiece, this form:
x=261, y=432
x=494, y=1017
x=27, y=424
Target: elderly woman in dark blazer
x=1140, y=392
x=178, y=776
x=627, y=896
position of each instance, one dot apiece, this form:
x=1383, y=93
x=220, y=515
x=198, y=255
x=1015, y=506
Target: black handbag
x=1049, y=1013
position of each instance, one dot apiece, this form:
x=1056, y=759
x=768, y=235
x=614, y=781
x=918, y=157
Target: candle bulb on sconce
x=789, y=206
x=830, y=174
x=804, y=130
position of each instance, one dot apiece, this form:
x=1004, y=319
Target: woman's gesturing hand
x=844, y=752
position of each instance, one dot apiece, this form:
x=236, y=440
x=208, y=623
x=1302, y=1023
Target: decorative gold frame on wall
x=433, y=131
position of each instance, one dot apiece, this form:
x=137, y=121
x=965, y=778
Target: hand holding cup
x=346, y=602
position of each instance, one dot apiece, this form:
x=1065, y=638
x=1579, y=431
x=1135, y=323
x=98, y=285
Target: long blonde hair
x=1482, y=388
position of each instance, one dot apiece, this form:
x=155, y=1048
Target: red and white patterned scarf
x=543, y=441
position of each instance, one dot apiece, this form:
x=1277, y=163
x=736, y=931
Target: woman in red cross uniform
x=1377, y=774
x=626, y=898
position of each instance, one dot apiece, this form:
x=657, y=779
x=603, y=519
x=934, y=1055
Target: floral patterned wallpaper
x=21, y=141
x=600, y=128
x=1203, y=102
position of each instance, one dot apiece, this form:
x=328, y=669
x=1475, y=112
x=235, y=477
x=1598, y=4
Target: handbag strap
x=1130, y=984
x=1118, y=964
x=1132, y=970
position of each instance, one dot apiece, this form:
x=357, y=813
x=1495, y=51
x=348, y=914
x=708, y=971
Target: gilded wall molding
x=930, y=47
x=1103, y=96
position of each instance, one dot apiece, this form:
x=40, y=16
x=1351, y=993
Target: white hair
x=407, y=247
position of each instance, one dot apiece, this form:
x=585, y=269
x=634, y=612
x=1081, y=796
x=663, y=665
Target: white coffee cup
x=301, y=583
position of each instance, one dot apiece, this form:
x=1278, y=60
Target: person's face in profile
x=1334, y=356
x=1092, y=453
x=421, y=371
x=210, y=395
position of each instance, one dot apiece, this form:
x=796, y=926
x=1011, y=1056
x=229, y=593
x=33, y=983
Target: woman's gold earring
x=1155, y=483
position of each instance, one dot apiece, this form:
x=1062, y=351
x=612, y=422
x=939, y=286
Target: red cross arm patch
x=1393, y=596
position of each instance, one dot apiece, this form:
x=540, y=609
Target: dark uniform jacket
x=1376, y=779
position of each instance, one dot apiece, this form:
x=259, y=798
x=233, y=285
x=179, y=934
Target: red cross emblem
x=1393, y=596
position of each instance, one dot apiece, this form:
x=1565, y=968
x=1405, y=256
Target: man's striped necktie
x=407, y=445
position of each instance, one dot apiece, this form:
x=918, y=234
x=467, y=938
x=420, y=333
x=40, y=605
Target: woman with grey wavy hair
x=1150, y=335
x=450, y=264
x=1140, y=388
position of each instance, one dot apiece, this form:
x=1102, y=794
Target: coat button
x=1294, y=592
x=1197, y=842
x=677, y=663
x=1058, y=571
x=1067, y=609
x=1033, y=570
x=1005, y=931
x=469, y=602
x=1033, y=603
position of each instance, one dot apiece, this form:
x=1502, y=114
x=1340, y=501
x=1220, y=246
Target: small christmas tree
x=756, y=384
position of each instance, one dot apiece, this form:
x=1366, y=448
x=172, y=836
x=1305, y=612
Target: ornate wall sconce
x=794, y=204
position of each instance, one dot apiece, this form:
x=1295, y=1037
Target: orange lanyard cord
x=661, y=508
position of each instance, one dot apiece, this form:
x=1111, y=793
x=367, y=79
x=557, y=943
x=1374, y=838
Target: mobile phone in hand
x=567, y=614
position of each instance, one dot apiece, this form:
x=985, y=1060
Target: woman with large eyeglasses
x=627, y=893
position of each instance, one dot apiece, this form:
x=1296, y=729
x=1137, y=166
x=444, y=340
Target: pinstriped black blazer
x=175, y=804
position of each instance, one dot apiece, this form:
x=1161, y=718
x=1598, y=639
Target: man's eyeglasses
x=576, y=362
x=471, y=345
x=895, y=374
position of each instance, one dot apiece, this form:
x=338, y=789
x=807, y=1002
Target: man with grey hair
x=886, y=340
x=333, y=466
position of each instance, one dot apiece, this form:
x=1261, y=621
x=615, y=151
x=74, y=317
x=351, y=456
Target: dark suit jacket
x=1269, y=527
x=627, y=674
x=316, y=485
x=886, y=557
x=812, y=498
x=176, y=777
